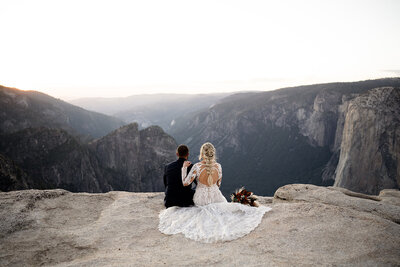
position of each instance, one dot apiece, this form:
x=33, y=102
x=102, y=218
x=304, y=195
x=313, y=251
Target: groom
x=175, y=193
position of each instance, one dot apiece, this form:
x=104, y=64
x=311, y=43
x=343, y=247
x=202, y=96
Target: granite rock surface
x=308, y=226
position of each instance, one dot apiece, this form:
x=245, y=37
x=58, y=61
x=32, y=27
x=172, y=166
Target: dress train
x=213, y=222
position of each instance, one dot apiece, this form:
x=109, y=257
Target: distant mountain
x=152, y=109
x=337, y=133
x=269, y=139
x=22, y=109
x=126, y=159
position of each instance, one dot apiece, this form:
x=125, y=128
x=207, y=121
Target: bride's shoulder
x=197, y=164
x=217, y=165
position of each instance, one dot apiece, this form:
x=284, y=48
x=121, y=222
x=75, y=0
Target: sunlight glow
x=72, y=49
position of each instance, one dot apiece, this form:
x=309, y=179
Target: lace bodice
x=205, y=194
x=197, y=170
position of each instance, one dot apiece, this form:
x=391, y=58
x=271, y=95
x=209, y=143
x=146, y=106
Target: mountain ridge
x=268, y=139
x=264, y=139
x=22, y=109
x=151, y=109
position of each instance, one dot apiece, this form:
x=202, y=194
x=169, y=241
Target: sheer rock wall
x=370, y=149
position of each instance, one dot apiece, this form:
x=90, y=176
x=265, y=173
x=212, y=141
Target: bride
x=212, y=218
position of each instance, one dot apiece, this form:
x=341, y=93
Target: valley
x=264, y=140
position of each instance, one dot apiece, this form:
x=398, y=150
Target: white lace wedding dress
x=212, y=218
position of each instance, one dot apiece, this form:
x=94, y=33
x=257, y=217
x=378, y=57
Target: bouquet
x=244, y=197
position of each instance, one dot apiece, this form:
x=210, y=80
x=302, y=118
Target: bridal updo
x=207, y=153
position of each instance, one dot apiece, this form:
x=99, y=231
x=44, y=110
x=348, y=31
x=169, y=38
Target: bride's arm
x=188, y=179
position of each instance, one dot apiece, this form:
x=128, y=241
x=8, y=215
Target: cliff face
x=12, y=177
x=135, y=158
x=319, y=122
x=370, y=149
x=126, y=159
x=293, y=135
x=53, y=159
x=307, y=226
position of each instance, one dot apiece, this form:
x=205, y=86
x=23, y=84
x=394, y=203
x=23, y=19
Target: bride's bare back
x=203, y=175
x=199, y=171
x=206, y=191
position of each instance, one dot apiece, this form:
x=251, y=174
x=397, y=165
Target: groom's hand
x=187, y=164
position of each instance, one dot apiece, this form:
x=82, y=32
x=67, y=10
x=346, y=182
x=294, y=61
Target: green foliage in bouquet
x=244, y=197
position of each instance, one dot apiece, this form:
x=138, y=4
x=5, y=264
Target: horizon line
x=67, y=99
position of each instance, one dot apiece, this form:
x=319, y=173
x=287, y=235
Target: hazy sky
x=71, y=49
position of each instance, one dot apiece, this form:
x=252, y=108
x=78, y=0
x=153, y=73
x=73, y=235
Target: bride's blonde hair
x=207, y=153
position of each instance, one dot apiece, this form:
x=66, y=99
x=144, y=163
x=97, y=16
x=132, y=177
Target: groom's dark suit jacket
x=175, y=193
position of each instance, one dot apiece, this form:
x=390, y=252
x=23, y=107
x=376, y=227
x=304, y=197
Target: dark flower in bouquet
x=244, y=197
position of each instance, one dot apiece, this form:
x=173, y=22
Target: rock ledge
x=309, y=225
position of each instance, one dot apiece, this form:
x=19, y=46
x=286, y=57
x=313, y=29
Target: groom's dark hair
x=182, y=150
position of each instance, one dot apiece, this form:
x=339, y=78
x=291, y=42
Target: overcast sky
x=71, y=49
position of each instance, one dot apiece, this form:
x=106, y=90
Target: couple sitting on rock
x=176, y=194
x=203, y=214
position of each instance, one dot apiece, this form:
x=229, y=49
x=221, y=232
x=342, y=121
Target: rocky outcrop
x=52, y=158
x=126, y=159
x=386, y=205
x=370, y=149
x=24, y=109
x=307, y=226
x=136, y=157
